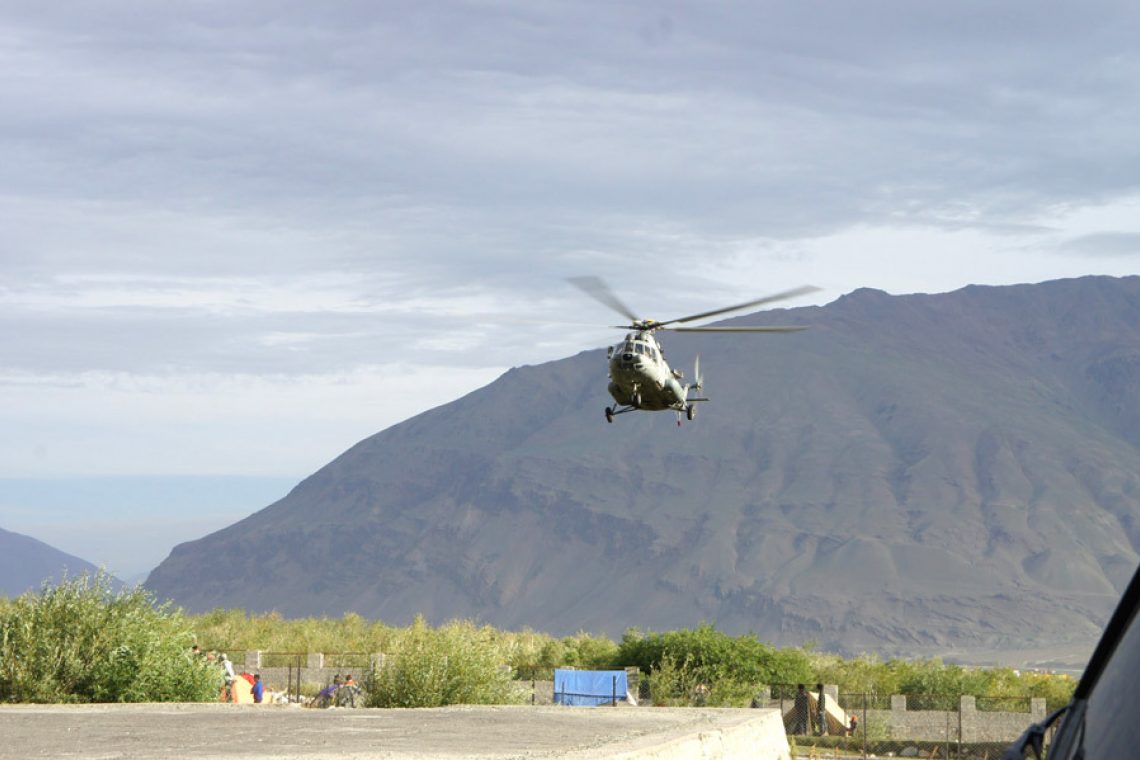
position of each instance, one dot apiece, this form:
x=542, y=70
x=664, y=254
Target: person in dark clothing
x=821, y=711
x=801, y=710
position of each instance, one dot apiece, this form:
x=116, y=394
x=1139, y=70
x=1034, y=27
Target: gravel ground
x=97, y=732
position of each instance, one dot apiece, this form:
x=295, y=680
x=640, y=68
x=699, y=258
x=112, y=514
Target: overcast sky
x=237, y=237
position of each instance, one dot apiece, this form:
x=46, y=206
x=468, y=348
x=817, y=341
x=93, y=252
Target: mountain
x=913, y=474
x=25, y=564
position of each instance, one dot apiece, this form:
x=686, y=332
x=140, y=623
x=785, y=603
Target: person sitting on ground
x=324, y=697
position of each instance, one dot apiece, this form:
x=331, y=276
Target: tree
x=80, y=641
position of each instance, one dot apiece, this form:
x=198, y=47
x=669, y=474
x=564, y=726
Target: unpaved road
x=202, y=731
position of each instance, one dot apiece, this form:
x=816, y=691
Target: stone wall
x=966, y=724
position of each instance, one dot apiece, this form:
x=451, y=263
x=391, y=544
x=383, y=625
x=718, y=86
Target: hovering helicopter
x=640, y=378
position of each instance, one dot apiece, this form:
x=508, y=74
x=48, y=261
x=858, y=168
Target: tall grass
x=79, y=641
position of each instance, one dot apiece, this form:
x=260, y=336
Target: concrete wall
x=716, y=734
x=966, y=724
x=944, y=725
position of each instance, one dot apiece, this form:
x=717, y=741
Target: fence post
x=613, y=694
x=298, y=679
x=967, y=718
x=864, y=725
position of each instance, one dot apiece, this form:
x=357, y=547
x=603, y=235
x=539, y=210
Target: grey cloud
x=328, y=115
x=427, y=150
x=1104, y=244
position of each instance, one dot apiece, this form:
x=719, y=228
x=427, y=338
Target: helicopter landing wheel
x=609, y=414
x=637, y=400
x=691, y=411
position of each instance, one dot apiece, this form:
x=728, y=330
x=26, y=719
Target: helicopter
x=640, y=378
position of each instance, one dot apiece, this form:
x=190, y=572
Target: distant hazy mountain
x=919, y=473
x=26, y=563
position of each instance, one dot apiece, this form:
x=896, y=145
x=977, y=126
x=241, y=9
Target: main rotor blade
x=597, y=289
x=773, y=329
x=802, y=290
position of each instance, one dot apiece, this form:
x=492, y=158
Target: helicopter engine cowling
x=620, y=395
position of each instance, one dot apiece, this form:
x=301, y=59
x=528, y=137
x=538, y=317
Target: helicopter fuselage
x=641, y=378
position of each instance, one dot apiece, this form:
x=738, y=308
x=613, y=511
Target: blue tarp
x=588, y=687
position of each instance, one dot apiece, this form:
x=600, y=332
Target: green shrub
x=79, y=641
x=707, y=666
x=457, y=663
x=589, y=652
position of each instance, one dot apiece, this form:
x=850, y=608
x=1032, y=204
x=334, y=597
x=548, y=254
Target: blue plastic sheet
x=589, y=687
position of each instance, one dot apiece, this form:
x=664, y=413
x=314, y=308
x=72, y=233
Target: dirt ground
x=102, y=732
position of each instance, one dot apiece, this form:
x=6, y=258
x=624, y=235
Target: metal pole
x=613, y=696
x=864, y=726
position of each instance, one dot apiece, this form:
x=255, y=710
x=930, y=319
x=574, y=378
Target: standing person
x=821, y=710
x=346, y=694
x=801, y=711
x=228, y=676
x=853, y=728
x=258, y=690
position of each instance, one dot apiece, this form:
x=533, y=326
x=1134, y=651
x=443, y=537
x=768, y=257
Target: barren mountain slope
x=913, y=474
x=26, y=563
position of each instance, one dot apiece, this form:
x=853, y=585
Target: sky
x=236, y=238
